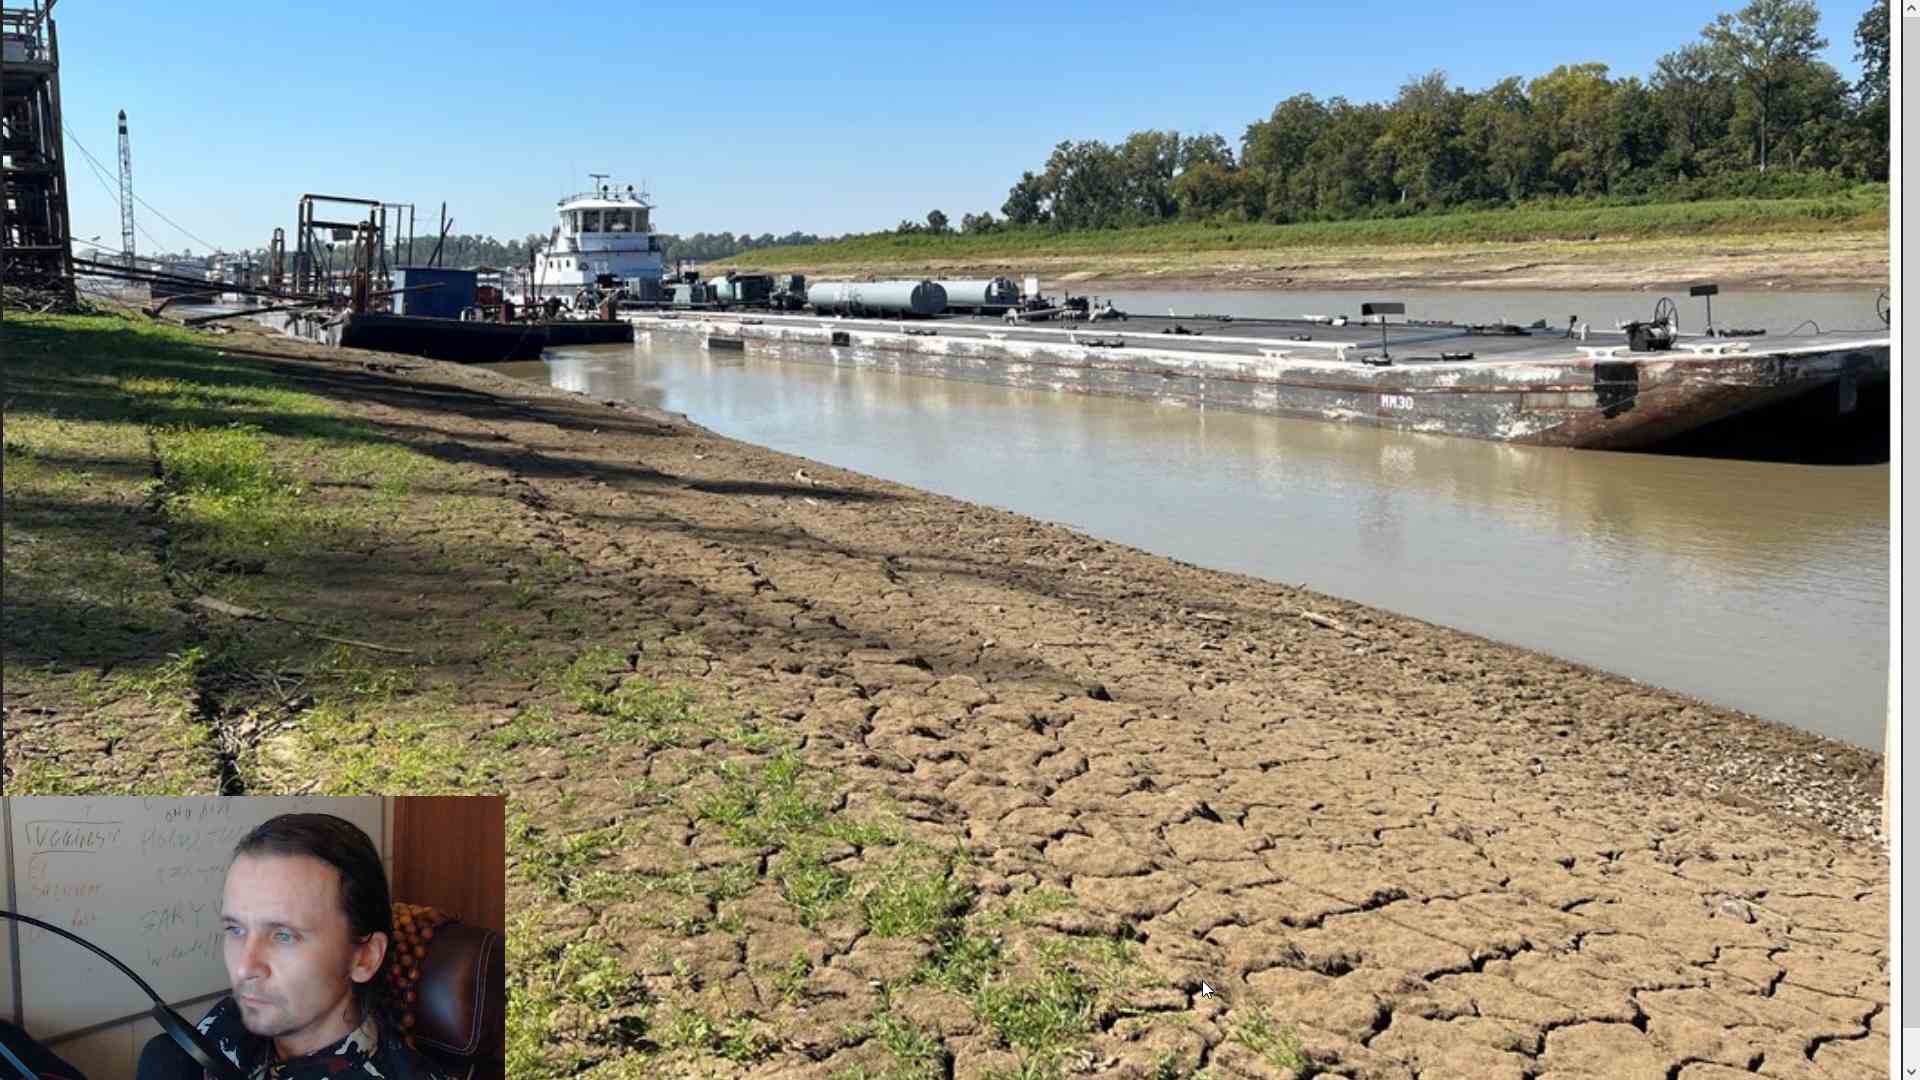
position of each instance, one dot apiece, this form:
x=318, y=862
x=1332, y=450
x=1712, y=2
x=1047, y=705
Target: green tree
x=1206, y=190
x=1423, y=137
x=1277, y=148
x=936, y=221
x=1696, y=102
x=1088, y=185
x=1870, y=39
x=1147, y=163
x=1867, y=154
x=1027, y=201
x=1636, y=137
x=981, y=222
x=1574, y=103
x=1763, y=47
x=1499, y=130
x=1205, y=150
x=1336, y=179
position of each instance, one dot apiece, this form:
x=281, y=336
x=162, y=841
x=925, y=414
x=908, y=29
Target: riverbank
x=814, y=774
x=1836, y=242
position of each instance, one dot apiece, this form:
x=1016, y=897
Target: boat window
x=590, y=221
x=642, y=225
x=619, y=220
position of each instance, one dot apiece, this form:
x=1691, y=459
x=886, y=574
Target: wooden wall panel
x=450, y=852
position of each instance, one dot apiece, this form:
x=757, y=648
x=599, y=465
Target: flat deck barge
x=1531, y=385
x=460, y=340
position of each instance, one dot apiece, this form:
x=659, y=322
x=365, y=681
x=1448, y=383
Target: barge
x=467, y=341
x=1530, y=385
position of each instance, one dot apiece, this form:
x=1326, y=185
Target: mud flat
x=816, y=775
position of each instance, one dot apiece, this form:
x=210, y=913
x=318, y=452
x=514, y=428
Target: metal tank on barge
x=921, y=298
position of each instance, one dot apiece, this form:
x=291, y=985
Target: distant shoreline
x=1839, y=241
x=1826, y=260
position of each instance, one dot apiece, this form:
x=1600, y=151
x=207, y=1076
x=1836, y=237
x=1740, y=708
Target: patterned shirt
x=362, y=1055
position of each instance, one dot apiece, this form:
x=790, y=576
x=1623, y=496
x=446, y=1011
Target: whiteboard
x=140, y=877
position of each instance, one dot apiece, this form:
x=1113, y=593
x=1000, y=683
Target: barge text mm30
x=1634, y=387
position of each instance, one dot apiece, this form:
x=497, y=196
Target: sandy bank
x=1787, y=261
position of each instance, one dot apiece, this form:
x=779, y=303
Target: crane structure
x=126, y=194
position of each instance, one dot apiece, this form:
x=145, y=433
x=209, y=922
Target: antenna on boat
x=597, y=178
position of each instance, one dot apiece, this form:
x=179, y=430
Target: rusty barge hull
x=1537, y=389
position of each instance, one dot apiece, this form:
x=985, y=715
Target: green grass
x=738, y=1037
x=918, y=895
x=791, y=981
x=915, y=1052
x=630, y=709
x=1864, y=207
x=1276, y=1044
x=774, y=805
x=146, y=466
x=566, y=866
x=812, y=888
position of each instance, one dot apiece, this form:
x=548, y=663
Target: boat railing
x=613, y=196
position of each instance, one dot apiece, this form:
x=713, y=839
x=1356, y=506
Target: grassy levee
x=1861, y=209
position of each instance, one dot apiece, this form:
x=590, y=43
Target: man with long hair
x=307, y=923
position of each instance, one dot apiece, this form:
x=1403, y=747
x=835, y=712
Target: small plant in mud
x=549, y=973
x=813, y=888
x=531, y=726
x=1040, y=1017
x=917, y=895
x=1276, y=1043
x=791, y=981
x=567, y=867
x=739, y=1037
x=916, y=1052
x=634, y=709
x=773, y=806
x=1041, y=997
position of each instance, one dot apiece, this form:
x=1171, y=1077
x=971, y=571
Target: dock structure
x=34, y=222
x=1529, y=385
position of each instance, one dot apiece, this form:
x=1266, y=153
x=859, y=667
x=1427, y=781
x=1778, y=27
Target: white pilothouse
x=605, y=231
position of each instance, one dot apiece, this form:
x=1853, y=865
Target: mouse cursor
x=1206, y=990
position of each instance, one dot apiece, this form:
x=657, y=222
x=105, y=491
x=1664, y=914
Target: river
x=1759, y=586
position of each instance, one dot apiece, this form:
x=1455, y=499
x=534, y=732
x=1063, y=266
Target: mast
x=126, y=194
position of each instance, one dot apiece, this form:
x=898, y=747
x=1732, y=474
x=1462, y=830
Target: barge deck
x=1528, y=385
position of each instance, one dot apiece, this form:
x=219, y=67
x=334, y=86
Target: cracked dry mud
x=1429, y=854
x=1433, y=855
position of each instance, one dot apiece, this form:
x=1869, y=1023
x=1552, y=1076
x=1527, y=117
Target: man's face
x=289, y=951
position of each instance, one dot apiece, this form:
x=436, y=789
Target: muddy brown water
x=1759, y=586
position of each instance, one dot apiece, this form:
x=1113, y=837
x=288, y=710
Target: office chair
x=449, y=982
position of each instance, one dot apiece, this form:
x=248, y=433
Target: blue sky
x=740, y=119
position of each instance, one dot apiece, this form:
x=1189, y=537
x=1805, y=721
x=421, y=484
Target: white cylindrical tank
x=877, y=297
x=987, y=294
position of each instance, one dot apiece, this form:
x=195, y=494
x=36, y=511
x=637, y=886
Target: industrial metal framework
x=35, y=228
x=313, y=258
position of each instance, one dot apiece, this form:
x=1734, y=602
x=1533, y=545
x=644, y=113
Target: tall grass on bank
x=1864, y=207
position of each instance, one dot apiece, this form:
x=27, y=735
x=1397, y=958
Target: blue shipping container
x=454, y=295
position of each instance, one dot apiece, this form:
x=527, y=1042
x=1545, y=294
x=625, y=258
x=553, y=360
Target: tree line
x=1747, y=109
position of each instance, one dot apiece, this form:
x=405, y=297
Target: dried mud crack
x=815, y=775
